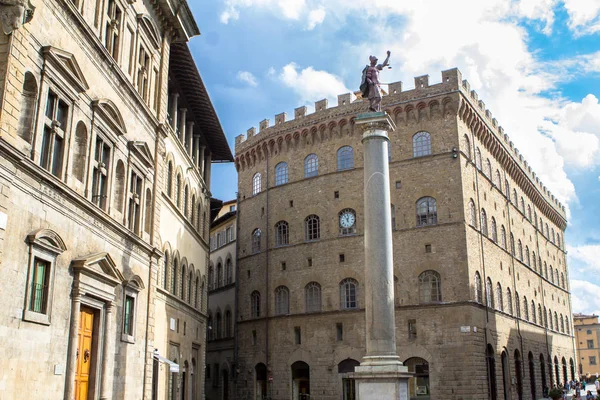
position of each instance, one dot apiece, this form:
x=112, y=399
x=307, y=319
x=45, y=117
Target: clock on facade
x=347, y=220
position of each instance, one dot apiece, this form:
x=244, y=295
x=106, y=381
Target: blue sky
x=535, y=63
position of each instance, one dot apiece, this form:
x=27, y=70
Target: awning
x=174, y=368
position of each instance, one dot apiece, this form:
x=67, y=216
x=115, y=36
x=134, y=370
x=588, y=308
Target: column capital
x=369, y=123
x=176, y=95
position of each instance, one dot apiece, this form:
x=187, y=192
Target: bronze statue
x=370, y=82
x=14, y=13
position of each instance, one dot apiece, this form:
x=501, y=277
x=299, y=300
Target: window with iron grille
x=311, y=166
x=478, y=288
x=255, y=304
x=345, y=158
x=256, y=184
x=282, y=301
x=429, y=287
x=312, y=229
x=281, y=173
x=256, y=241
x=349, y=294
x=313, y=297
x=426, y=211
x=282, y=233
x=421, y=144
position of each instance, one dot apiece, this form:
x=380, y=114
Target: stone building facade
x=220, y=346
x=104, y=186
x=481, y=284
x=587, y=339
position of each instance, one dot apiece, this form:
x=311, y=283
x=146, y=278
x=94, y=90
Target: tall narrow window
x=256, y=241
x=484, y=229
x=498, y=181
x=312, y=228
x=509, y=307
x=113, y=22
x=520, y=247
x=281, y=173
x=525, y=309
x=488, y=168
x=255, y=304
x=494, y=231
x=517, y=305
x=345, y=158
x=178, y=191
x=489, y=294
x=467, y=144
x=529, y=212
x=135, y=194
x=512, y=245
x=472, y=214
x=101, y=166
x=148, y=212
x=28, y=105
x=429, y=287
x=311, y=166
x=426, y=211
x=533, y=314
x=256, y=184
x=128, y=314
x=515, y=198
x=53, y=138
x=186, y=198
x=228, y=331
x=478, y=288
x=282, y=301
x=312, y=293
x=228, y=272
x=421, y=144
x=478, y=158
x=143, y=73
x=503, y=237
x=527, y=257
x=499, y=297
x=170, y=179
x=39, y=290
x=80, y=152
x=349, y=294
x=282, y=233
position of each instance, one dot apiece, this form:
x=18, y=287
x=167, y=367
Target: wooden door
x=84, y=354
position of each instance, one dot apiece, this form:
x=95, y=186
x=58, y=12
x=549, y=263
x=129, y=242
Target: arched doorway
x=418, y=386
x=491, y=366
x=572, y=369
x=564, y=367
x=532, y=376
x=183, y=388
x=193, y=379
x=519, y=374
x=556, y=370
x=225, y=377
x=543, y=375
x=348, y=387
x=505, y=375
x=300, y=381
x=260, y=388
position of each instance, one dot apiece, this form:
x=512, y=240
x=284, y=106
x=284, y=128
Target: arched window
x=178, y=190
x=488, y=168
x=348, y=294
x=547, y=231
x=182, y=282
x=256, y=184
x=553, y=236
x=120, y=186
x=467, y=146
x=166, y=272
x=478, y=294
x=499, y=296
x=525, y=308
x=509, y=308
x=556, y=320
x=551, y=274
x=533, y=316
x=484, y=229
x=28, y=105
x=512, y=245
x=421, y=144
x=211, y=277
x=148, y=213
x=347, y=221
x=174, y=273
x=558, y=240
x=491, y=367
x=281, y=173
x=193, y=210
x=551, y=320
x=170, y=180
x=312, y=228
x=534, y=261
x=219, y=326
x=517, y=305
x=494, y=231
x=186, y=197
x=507, y=189
x=228, y=326
x=228, y=272
x=532, y=376
x=540, y=315
x=522, y=205
x=426, y=211
x=282, y=301
x=210, y=331
x=429, y=287
x=256, y=240
x=515, y=198
x=311, y=165
x=545, y=317
x=529, y=212
x=472, y=214
x=503, y=237
x=520, y=247
x=489, y=293
x=545, y=269
x=255, y=304
x=478, y=158
x=219, y=274
x=312, y=293
x=527, y=258
x=345, y=158
x=562, y=280
x=519, y=373
x=282, y=233
x=498, y=180
x=197, y=294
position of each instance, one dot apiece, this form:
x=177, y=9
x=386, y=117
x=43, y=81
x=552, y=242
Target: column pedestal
x=381, y=375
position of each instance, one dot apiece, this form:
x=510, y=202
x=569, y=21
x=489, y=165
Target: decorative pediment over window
x=48, y=240
x=99, y=266
x=142, y=151
x=135, y=283
x=66, y=64
x=150, y=29
x=111, y=114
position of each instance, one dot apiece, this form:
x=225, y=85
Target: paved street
x=571, y=394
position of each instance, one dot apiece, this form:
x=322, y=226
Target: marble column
x=201, y=161
x=189, y=142
x=208, y=169
x=181, y=128
x=196, y=156
x=73, y=345
x=107, y=354
x=381, y=374
x=173, y=110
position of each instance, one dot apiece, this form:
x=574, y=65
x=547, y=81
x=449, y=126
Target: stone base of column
x=381, y=378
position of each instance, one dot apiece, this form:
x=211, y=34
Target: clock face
x=347, y=220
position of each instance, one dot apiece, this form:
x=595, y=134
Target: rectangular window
x=590, y=344
x=336, y=195
x=342, y=258
x=427, y=248
x=592, y=360
x=339, y=332
x=231, y=208
x=143, y=71
x=113, y=21
x=297, y=335
x=283, y=266
x=101, y=166
x=228, y=234
x=39, y=289
x=53, y=136
x=412, y=328
x=135, y=193
x=156, y=97
x=130, y=41
x=128, y=314
x=253, y=338
x=309, y=261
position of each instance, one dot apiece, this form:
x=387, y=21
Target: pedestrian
x=597, y=384
x=577, y=390
x=589, y=395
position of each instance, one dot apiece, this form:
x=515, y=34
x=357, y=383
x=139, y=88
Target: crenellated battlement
x=470, y=108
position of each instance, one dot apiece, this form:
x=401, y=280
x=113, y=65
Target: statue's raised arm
x=370, y=82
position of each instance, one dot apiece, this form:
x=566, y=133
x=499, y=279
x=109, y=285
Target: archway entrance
x=300, y=381
x=491, y=366
x=505, y=375
x=225, y=377
x=348, y=386
x=260, y=388
x=418, y=386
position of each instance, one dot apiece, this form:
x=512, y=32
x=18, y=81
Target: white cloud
x=584, y=15
x=586, y=256
x=315, y=17
x=290, y=9
x=584, y=297
x=310, y=84
x=247, y=77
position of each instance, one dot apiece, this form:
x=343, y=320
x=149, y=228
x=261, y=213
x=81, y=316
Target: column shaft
x=107, y=355
x=182, y=126
x=173, y=110
x=73, y=347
